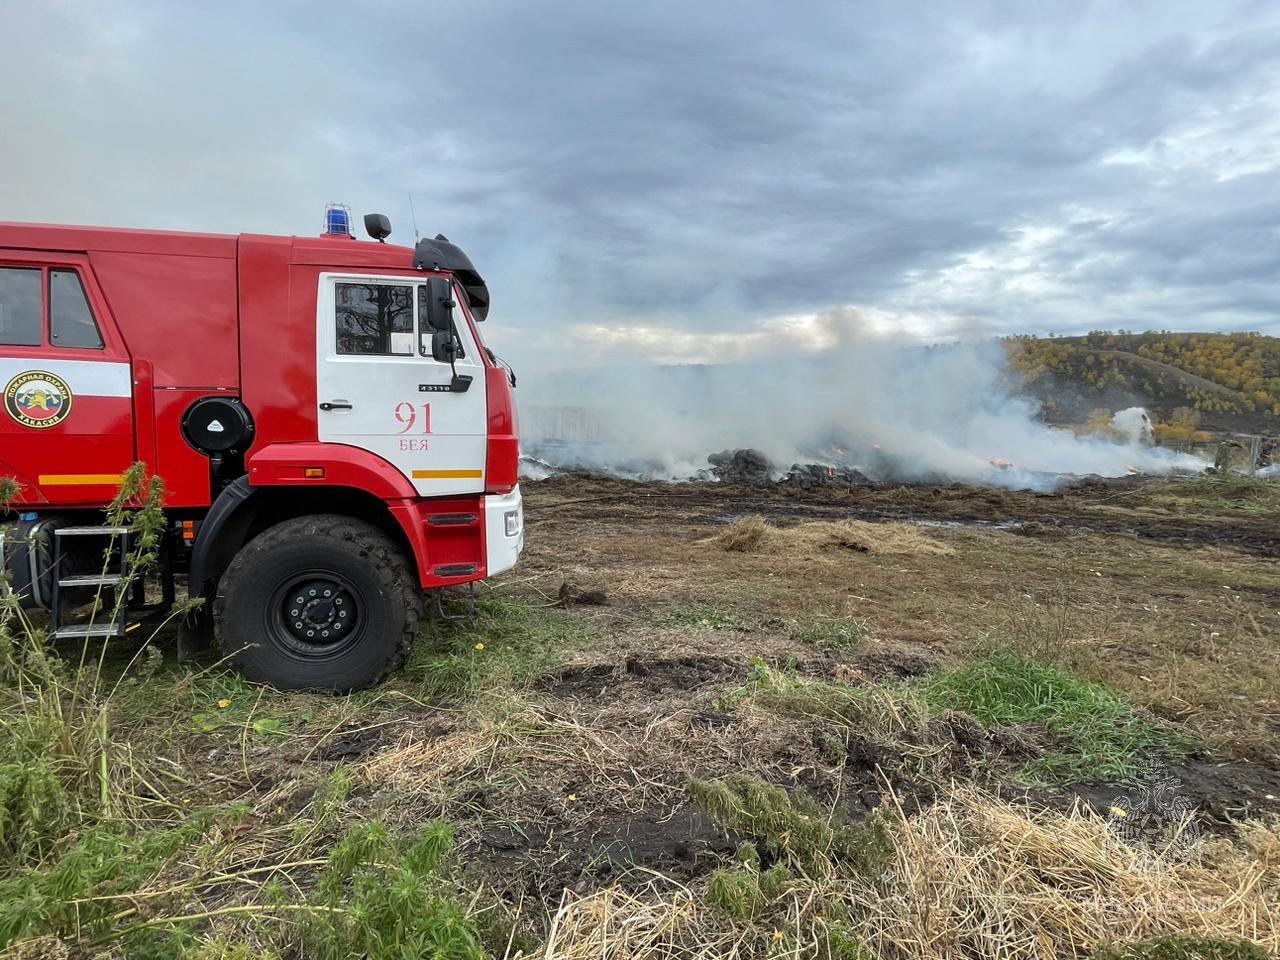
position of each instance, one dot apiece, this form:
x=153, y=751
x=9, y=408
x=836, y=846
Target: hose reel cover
x=218, y=425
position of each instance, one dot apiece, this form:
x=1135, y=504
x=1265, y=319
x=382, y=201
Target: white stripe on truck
x=86, y=378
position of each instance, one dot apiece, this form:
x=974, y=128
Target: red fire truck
x=332, y=432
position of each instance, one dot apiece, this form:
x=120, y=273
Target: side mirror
x=443, y=346
x=438, y=304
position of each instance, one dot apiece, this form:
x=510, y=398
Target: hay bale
x=878, y=539
x=744, y=536
x=745, y=466
x=754, y=535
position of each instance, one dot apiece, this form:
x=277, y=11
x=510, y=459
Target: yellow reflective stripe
x=80, y=479
x=448, y=474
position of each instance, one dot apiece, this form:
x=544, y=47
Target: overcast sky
x=694, y=180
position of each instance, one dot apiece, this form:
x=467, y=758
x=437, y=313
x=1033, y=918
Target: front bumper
x=503, y=530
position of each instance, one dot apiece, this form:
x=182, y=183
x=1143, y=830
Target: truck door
x=66, y=428
x=379, y=389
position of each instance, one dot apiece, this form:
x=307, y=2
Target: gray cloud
x=695, y=167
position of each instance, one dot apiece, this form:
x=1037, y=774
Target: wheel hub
x=318, y=611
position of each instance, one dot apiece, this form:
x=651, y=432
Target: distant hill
x=1221, y=382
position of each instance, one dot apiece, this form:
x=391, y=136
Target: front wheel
x=318, y=603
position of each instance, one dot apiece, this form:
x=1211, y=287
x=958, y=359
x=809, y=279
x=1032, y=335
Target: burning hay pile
x=755, y=535
x=752, y=468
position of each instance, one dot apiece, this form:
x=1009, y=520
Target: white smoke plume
x=1134, y=425
x=891, y=409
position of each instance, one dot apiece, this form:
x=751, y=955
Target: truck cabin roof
x=433, y=254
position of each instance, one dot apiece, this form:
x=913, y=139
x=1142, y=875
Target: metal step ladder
x=102, y=581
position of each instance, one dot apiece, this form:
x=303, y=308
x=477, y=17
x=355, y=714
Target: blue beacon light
x=337, y=220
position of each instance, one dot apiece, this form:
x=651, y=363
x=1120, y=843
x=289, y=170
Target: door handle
x=335, y=405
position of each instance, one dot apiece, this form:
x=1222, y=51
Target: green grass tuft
x=879, y=712
x=73, y=896
x=705, y=617
x=384, y=901
x=735, y=893
x=843, y=634
x=9, y=490
x=506, y=647
x=843, y=945
x=793, y=829
x=1099, y=736
x=60, y=765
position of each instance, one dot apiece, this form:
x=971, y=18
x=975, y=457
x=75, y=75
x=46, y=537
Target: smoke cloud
x=893, y=410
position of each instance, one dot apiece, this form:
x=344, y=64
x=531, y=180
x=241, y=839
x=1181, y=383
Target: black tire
x=290, y=593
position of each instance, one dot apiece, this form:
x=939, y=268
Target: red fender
x=286, y=464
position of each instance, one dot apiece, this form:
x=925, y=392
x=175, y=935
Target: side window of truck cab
x=27, y=294
x=374, y=319
x=379, y=319
x=21, y=309
x=71, y=322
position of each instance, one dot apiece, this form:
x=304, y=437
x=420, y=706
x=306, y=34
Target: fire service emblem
x=37, y=399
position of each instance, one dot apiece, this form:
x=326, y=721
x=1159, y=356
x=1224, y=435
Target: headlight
x=512, y=518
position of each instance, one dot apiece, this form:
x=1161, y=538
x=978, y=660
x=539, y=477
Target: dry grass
x=620, y=757
x=663, y=919
x=755, y=535
x=969, y=876
x=424, y=763
x=976, y=876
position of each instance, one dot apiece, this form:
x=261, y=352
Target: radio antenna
x=414, y=215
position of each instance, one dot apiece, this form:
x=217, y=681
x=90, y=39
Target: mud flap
x=195, y=633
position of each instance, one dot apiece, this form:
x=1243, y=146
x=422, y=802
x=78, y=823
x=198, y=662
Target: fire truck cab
x=333, y=435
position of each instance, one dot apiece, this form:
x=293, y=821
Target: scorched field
x=701, y=721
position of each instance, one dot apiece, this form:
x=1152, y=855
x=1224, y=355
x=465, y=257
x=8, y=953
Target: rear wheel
x=318, y=603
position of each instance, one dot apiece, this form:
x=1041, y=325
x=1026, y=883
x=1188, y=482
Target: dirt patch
x=581, y=681
x=351, y=746
x=543, y=860
x=573, y=594
x=542, y=840
x=899, y=664
x=1218, y=794
x=682, y=673
x=642, y=673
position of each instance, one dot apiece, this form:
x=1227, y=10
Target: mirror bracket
x=439, y=303
x=444, y=347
